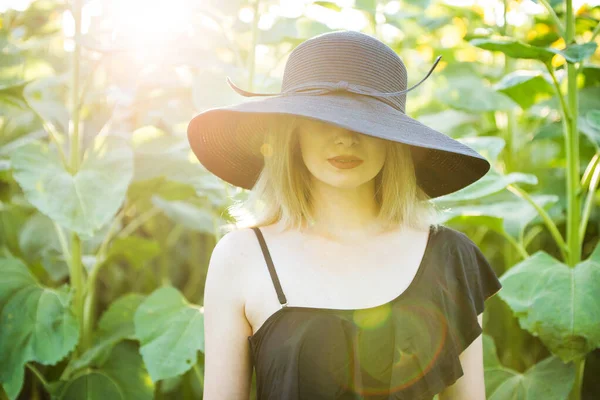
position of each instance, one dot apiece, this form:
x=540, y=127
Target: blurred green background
x=107, y=220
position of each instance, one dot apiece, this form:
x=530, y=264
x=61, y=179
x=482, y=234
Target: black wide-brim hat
x=344, y=78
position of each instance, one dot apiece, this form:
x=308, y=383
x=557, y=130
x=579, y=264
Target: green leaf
x=39, y=243
x=549, y=379
x=37, y=324
x=525, y=87
x=170, y=331
x=328, y=4
x=488, y=146
x=514, y=48
x=448, y=120
x=369, y=6
x=83, y=202
x=491, y=183
x=308, y=28
x=477, y=100
x=157, y=155
x=589, y=100
x=558, y=304
x=552, y=130
x=505, y=217
x=292, y=30
x=593, y=118
x=577, y=52
x=138, y=251
x=188, y=215
x=121, y=377
x=47, y=97
x=115, y=325
x=553, y=3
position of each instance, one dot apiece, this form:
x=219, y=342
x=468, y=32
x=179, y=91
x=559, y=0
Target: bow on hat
x=316, y=88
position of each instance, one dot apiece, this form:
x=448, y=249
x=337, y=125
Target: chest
x=322, y=275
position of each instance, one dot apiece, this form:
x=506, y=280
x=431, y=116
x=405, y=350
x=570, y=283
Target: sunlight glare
x=17, y=5
x=291, y=8
x=246, y=14
x=145, y=26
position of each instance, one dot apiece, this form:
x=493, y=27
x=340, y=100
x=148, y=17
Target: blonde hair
x=282, y=191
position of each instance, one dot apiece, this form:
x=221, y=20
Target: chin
x=344, y=182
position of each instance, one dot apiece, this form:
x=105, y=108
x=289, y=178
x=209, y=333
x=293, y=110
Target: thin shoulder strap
x=267, y=255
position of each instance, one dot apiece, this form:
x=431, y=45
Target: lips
x=345, y=158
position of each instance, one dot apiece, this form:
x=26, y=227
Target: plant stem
x=77, y=283
x=547, y=220
x=559, y=25
x=589, y=169
x=38, y=374
x=54, y=135
x=89, y=315
x=76, y=272
x=518, y=246
x=199, y=375
x=563, y=105
x=138, y=221
x=589, y=200
x=576, y=391
x=572, y=150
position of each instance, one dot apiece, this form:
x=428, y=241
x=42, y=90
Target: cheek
x=378, y=153
x=310, y=146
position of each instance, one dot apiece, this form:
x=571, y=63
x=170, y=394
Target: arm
x=471, y=385
x=228, y=367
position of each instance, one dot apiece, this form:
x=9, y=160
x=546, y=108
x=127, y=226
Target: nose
x=347, y=137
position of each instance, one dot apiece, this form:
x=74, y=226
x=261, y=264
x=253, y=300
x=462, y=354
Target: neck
x=344, y=215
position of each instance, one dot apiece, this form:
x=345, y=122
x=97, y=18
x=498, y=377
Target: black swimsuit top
x=405, y=349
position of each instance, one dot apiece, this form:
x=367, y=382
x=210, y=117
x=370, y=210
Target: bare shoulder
x=228, y=368
x=232, y=254
x=234, y=244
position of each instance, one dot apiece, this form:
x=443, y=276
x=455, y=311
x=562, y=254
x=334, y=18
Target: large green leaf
x=39, y=243
x=121, y=377
x=138, y=251
x=577, y=52
x=550, y=379
x=370, y=6
x=171, y=331
x=188, y=215
x=525, y=87
x=491, y=183
x=37, y=324
x=46, y=96
x=157, y=155
x=482, y=99
x=115, y=325
x=514, y=48
x=292, y=30
x=447, y=120
x=505, y=217
x=593, y=118
x=589, y=101
x=558, y=304
x=82, y=202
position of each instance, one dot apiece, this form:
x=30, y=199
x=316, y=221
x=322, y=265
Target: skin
x=344, y=217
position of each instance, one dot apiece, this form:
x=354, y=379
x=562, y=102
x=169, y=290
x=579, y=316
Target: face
x=320, y=141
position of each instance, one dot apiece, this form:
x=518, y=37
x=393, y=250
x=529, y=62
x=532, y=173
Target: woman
x=383, y=303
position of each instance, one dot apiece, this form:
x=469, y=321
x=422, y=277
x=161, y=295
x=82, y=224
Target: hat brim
x=227, y=140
